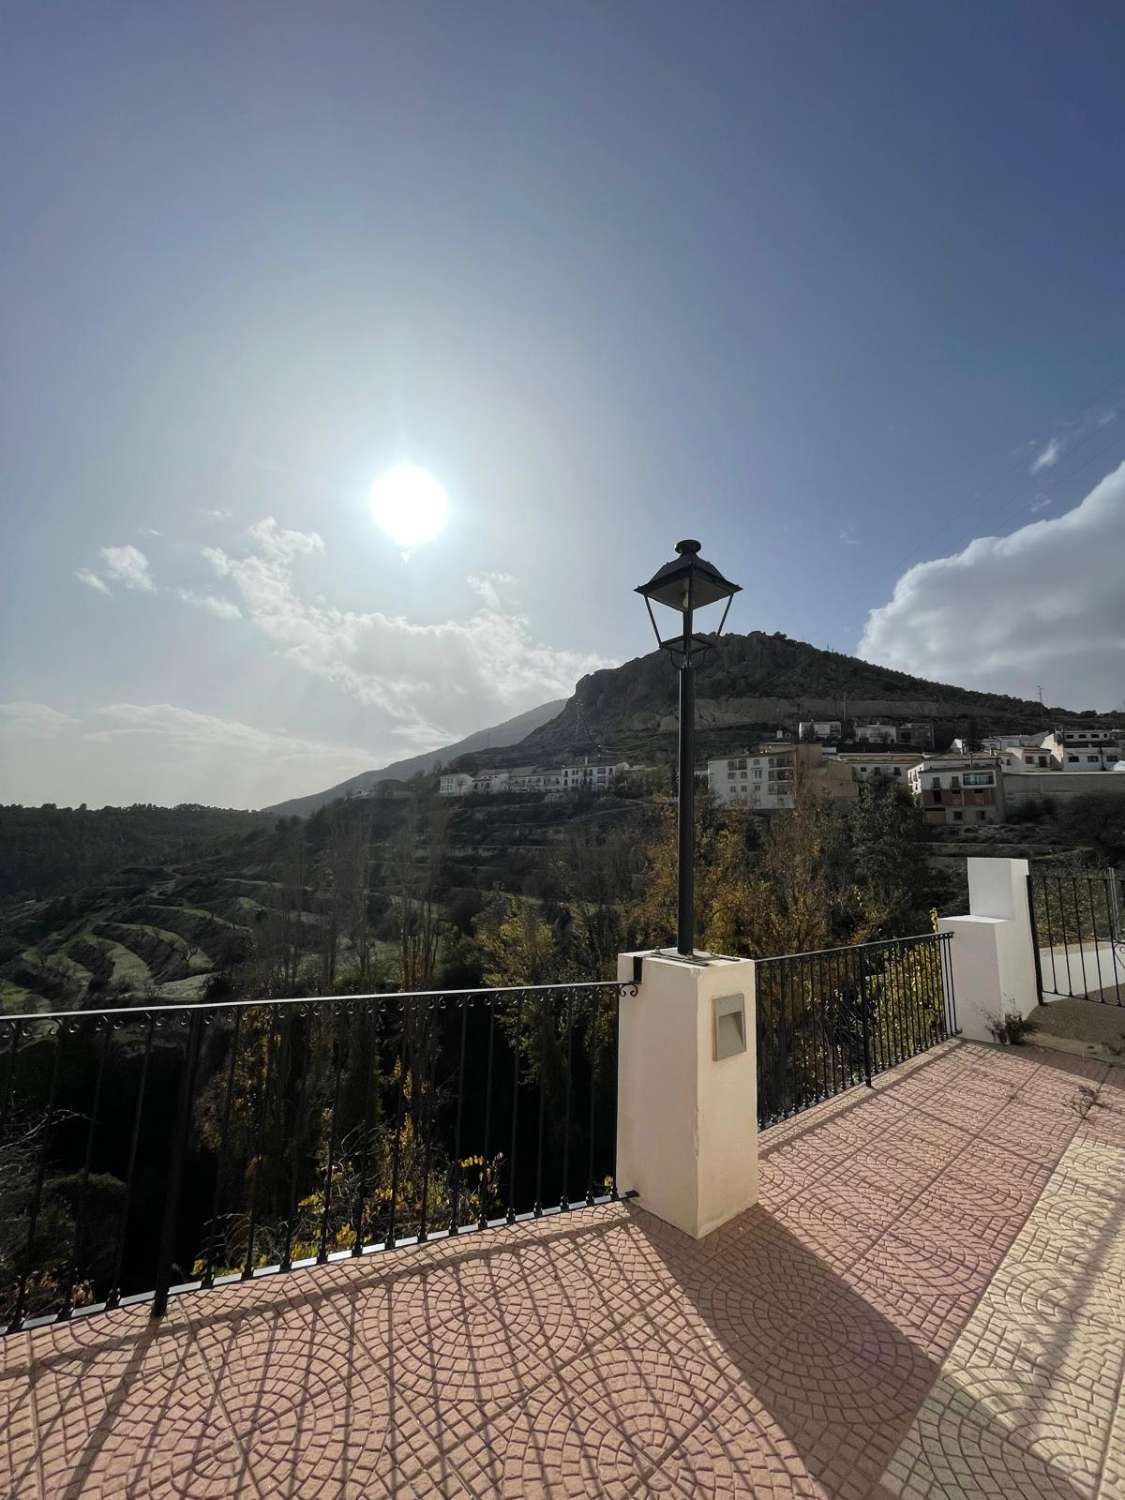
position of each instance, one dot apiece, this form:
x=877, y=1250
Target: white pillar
x=993, y=955
x=687, y=1103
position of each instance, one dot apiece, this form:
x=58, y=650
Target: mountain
x=750, y=685
x=501, y=735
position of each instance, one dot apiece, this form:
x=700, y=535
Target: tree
x=517, y=945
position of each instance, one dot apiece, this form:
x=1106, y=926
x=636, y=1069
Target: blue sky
x=819, y=284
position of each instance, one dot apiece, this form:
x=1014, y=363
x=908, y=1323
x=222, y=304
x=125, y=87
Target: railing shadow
x=601, y=1338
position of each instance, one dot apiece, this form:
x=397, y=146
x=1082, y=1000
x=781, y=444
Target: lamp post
x=687, y=584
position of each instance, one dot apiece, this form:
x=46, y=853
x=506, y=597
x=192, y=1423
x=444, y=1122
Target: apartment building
x=889, y=765
x=1082, y=752
x=1058, y=750
x=958, y=790
x=586, y=777
x=876, y=734
x=772, y=777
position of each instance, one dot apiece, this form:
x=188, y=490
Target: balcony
x=925, y=1300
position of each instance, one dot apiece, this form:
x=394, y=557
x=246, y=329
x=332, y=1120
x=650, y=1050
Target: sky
x=835, y=288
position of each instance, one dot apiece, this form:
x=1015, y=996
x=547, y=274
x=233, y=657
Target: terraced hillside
x=172, y=931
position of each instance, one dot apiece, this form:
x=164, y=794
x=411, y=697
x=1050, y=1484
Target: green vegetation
x=48, y=850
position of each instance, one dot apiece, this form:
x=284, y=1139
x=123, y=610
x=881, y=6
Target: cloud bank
x=131, y=752
x=437, y=681
x=1044, y=605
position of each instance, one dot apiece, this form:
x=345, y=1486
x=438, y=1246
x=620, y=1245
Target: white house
x=893, y=766
x=1080, y=752
x=957, y=789
x=455, y=784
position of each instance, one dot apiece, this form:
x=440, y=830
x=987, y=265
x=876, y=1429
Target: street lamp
x=686, y=584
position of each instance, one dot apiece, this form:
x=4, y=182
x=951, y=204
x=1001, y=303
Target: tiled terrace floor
x=928, y=1302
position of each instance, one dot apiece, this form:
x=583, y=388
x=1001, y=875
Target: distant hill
x=754, y=683
x=501, y=735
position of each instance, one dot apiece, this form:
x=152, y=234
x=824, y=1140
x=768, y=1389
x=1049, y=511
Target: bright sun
x=410, y=505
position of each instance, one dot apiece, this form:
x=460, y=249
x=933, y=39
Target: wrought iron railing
x=829, y=1020
x=164, y=1148
x=1078, y=932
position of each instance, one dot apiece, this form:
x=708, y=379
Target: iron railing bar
x=458, y=1171
x=396, y=1163
x=1066, y=945
x=427, y=1097
x=614, y=1192
x=564, y=1200
x=79, y=1242
x=1050, y=938
x=220, y=1165
x=1081, y=941
x=263, y=1127
x=166, y=1255
x=594, y=1054
x=511, y=1214
x=917, y=937
x=366, y=1129
x=486, y=1169
x=294, y=1136
x=16, y=1321
x=1094, y=925
x=225, y=1005
x=538, y=1205
x=113, y=1298
x=333, y=1139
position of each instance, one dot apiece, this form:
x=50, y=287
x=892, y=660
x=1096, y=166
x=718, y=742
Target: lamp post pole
x=687, y=583
x=685, y=916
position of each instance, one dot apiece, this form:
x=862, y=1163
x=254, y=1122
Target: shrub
x=1012, y=1029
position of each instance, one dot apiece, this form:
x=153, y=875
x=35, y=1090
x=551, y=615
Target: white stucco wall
x=992, y=954
x=686, y=1123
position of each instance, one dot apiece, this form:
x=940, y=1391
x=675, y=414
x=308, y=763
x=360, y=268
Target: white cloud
x=128, y=566
x=33, y=721
x=1045, y=604
x=215, y=515
x=91, y=580
x=1047, y=456
x=207, y=734
x=438, y=681
x=1041, y=502
x=226, y=609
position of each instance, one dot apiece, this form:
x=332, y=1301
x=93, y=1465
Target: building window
x=1073, y=758
x=1092, y=758
x=957, y=817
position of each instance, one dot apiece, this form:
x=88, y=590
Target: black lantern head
x=686, y=584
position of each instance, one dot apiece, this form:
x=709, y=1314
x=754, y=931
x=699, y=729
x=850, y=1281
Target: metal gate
x=1078, y=930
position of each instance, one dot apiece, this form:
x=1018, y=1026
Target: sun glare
x=410, y=505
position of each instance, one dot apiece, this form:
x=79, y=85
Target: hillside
x=508, y=733
x=755, y=683
x=46, y=851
